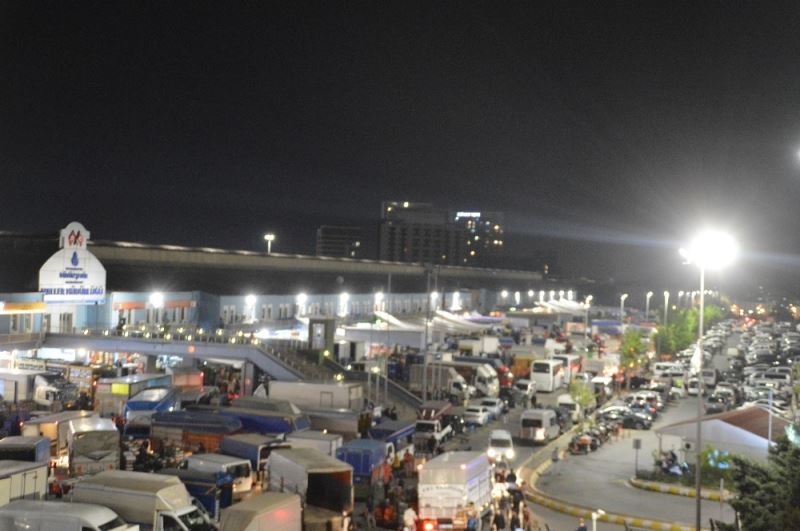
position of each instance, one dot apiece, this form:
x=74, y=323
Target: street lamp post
x=680, y=296
x=587, y=303
x=622, y=311
x=647, y=305
x=664, y=322
x=269, y=238
x=709, y=250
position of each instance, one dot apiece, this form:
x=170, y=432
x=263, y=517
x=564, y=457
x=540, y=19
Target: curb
x=676, y=490
x=538, y=497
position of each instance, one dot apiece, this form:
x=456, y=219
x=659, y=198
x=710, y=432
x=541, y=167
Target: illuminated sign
x=73, y=274
x=474, y=215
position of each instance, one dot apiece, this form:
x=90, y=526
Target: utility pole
x=388, y=346
x=425, y=343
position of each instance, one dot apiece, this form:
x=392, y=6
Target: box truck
x=320, y=480
x=188, y=429
x=54, y=427
x=22, y=480
x=327, y=443
x=92, y=445
x=452, y=484
x=154, y=501
x=252, y=446
x=60, y=516
x=270, y=511
x=367, y=458
x=41, y=387
x=237, y=467
x=446, y=379
x=34, y=449
x=319, y=395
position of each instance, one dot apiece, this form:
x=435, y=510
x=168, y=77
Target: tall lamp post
x=664, y=323
x=710, y=250
x=647, y=305
x=587, y=304
x=622, y=311
x=269, y=238
x=680, y=296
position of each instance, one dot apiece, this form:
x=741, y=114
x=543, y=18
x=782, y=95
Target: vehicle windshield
x=531, y=423
x=474, y=410
x=500, y=443
x=239, y=471
x=522, y=387
x=568, y=406
x=426, y=427
x=490, y=403
x=150, y=395
x=194, y=521
x=542, y=368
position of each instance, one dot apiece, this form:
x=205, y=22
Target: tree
x=632, y=349
x=768, y=495
x=582, y=394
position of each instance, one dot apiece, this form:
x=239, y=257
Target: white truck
x=154, y=501
x=325, y=442
x=54, y=427
x=441, y=377
x=60, y=516
x=481, y=345
x=320, y=480
x=92, y=446
x=22, y=480
x=450, y=486
x=310, y=395
x=41, y=387
x=270, y=511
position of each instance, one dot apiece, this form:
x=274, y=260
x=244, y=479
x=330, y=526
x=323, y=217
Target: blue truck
x=399, y=433
x=141, y=407
x=19, y=448
x=252, y=446
x=214, y=490
x=366, y=457
x=260, y=421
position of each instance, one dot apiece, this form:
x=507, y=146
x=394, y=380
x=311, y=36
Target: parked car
x=476, y=414
x=717, y=403
x=495, y=406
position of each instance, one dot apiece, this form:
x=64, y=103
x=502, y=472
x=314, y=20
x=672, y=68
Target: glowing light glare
x=711, y=249
x=455, y=304
x=552, y=294
x=589, y=299
x=302, y=298
x=623, y=297
x=530, y=293
x=541, y=296
x=666, y=295
x=561, y=294
x=570, y=294
x=504, y=293
x=379, y=297
x=269, y=237
x=157, y=300
x=517, y=297
x=250, y=301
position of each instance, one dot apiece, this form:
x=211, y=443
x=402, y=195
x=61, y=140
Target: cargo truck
x=252, y=446
x=111, y=394
x=92, y=445
x=33, y=449
x=504, y=375
x=188, y=429
x=479, y=346
x=482, y=377
x=367, y=458
x=345, y=422
x=327, y=443
x=22, y=480
x=60, y=516
x=430, y=424
x=156, y=502
x=40, y=387
x=320, y=480
x=213, y=490
x=309, y=395
x=54, y=427
x=399, y=433
x=446, y=379
x=451, y=485
x=270, y=511
x=141, y=407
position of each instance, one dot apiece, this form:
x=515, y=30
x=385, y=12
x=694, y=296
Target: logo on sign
x=74, y=260
x=75, y=239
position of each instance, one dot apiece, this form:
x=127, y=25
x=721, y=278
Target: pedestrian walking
x=582, y=525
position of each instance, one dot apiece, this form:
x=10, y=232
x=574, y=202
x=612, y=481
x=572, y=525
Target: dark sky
x=620, y=126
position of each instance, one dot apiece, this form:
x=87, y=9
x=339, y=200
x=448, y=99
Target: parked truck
x=310, y=395
x=252, y=446
x=156, y=502
x=54, y=427
x=270, y=511
x=481, y=376
x=449, y=485
x=60, y=516
x=327, y=443
x=445, y=379
x=22, y=480
x=430, y=424
x=504, y=375
x=214, y=490
x=320, y=480
x=19, y=448
x=367, y=458
x=141, y=407
x=187, y=429
x=479, y=346
x=93, y=445
x=345, y=422
x=398, y=433
x=40, y=387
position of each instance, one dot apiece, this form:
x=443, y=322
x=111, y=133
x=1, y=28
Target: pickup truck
x=434, y=428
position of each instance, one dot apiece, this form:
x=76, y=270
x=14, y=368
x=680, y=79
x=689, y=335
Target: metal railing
x=396, y=390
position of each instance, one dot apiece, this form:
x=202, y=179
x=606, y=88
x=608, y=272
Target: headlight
x=510, y=453
x=491, y=452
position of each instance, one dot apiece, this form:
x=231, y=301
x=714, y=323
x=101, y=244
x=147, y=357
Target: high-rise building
x=339, y=242
x=420, y=232
x=484, y=242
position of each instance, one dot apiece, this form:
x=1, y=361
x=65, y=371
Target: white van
x=538, y=425
x=571, y=364
x=663, y=370
x=237, y=467
x=60, y=516
x=576, y=411
x=548, y=375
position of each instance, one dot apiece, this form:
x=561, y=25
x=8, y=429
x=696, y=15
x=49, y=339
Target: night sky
x=607, y=131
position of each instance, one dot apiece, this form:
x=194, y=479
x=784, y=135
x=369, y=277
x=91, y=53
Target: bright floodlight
x=379, y=297
x=250, y=301
x=302, y=298
x=157, y=300
x=504, y=293
x=269, y=237
x=711, y=249
x=623, y=297
x=589, y=299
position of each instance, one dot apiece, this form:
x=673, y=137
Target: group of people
x=391, y=501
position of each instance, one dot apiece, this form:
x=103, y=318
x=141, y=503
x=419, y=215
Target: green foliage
x=632, y=349
x=582, y=393
x=768, y=496
x=681, y=330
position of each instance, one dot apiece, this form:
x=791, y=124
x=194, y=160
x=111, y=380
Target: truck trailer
x=320, y=480
x=270, y=511
x=310, y=395
x=22, y=480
